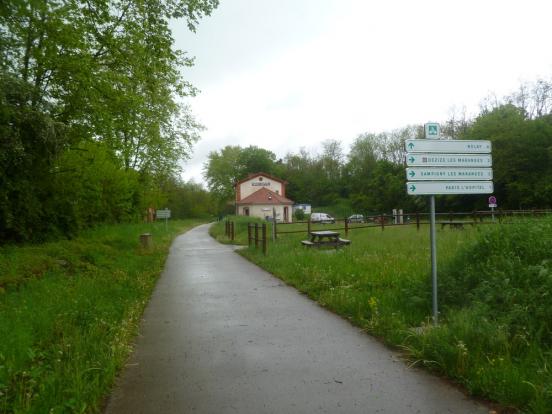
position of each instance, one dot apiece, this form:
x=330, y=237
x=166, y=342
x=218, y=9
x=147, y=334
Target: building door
x=246, y=211
x=286, y=219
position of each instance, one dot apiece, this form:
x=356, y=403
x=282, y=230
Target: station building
x=259, y=194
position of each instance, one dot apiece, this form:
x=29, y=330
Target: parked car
x=321, y=218
x=356, y=218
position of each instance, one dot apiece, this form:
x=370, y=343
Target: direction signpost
x=443, y=166
x=456, y=187
x=448, y=173
x=448, y=160
x=163, y=214
x=449, y=145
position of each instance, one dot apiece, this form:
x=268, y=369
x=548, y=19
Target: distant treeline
x=370, y=177
x=90, y=128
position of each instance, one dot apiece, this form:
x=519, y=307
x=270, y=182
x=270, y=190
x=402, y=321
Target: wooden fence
x=257, y=232
x=415, y=219
x=253, y=235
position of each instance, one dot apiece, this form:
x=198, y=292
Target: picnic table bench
x=325, y=238
x=455, y=224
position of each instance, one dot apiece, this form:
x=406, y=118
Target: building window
x=260, y=178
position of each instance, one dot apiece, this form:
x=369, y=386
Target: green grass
x=69, y=311
x=495, y=290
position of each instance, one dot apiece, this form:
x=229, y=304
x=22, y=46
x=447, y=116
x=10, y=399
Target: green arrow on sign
x=412, y=187
x=412, y=173
x=411, y=159
x=410, y=145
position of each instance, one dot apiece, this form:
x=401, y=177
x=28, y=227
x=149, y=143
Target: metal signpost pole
x=433, y=258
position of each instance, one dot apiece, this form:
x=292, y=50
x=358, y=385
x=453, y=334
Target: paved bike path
x=220, y=335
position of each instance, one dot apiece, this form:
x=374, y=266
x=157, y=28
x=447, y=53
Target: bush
x=299, y=214
x=507, y=271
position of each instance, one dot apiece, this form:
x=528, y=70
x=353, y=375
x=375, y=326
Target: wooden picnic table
x=325, y=238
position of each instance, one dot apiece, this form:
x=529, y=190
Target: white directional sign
x=448, y=160
x=452, y=173
x=163, y=214
x=453, y=187
x=448, y=146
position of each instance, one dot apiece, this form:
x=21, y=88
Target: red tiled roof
x=250, y=176
x=265, y=196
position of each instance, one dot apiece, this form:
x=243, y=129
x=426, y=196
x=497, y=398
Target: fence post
x=256, y=235
x=226, y=233
x=450, y=216
x=474, y=214
x=264, y=238
x=346, y=227
x=308, y=228
x=499, y=214
x=382, y=219
x=232, y=231
x=249, y=234
x=417, y=221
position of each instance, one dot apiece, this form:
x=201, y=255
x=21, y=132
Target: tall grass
x=495, y=297
x=68, y=313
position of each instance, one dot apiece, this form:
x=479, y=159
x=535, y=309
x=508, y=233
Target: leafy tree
x=222, y=170
x=30, y=143
x=100, y=78
x=254, y=159
x=188, y=199
x=232, y=163
x=521, y=155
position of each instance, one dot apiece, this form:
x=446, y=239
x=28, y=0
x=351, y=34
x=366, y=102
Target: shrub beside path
x=220, y=335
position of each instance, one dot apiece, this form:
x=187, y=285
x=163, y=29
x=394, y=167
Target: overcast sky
x=286, y=74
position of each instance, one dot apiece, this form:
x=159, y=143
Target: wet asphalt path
x=221, y=336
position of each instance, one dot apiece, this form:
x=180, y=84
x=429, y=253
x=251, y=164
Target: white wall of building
x=249, y=187
x=262, y=211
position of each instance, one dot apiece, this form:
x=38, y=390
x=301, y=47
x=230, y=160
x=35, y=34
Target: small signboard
x=448, y=160
x=163, y=214
x=449, y=145
x=432, y=130
x=451, y=173
x=449, y=187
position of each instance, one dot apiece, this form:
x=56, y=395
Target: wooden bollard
x=146, y=241
x=417, y=221
x=264, y=239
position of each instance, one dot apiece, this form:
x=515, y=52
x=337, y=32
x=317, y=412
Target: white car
x=321, y=218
